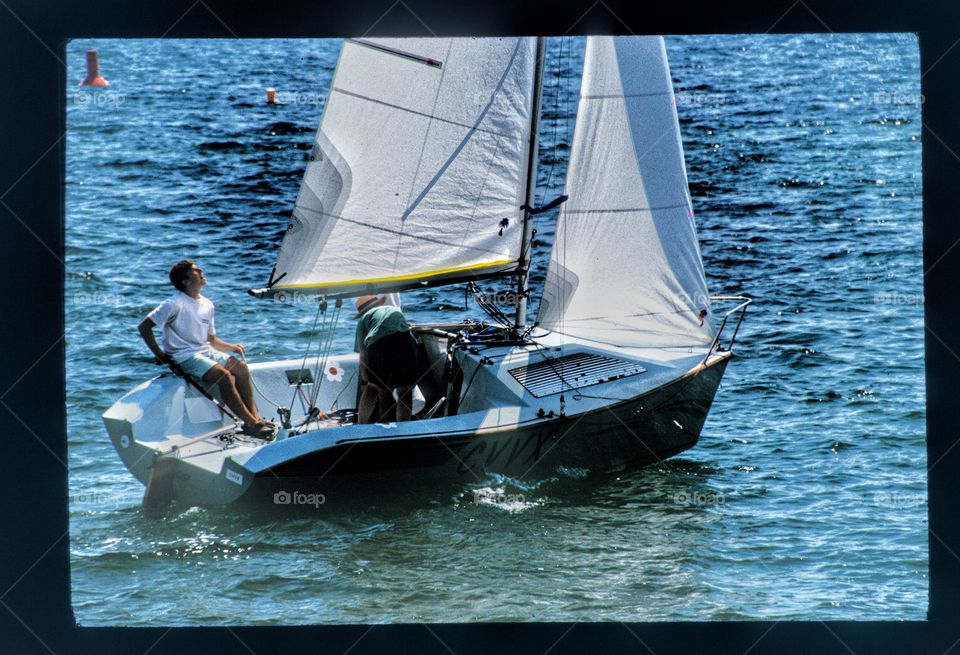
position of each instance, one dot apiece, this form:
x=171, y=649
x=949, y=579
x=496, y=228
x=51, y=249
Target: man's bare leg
x=404, y=403
x=386, y=405
x=244, y=385
x=228, y=391
x=368, y=403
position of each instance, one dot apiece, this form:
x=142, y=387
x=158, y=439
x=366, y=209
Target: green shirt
x=378, y=323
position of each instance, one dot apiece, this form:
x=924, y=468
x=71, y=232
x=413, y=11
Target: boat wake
x=505, y=493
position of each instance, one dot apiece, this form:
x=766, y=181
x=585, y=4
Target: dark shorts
x=392, y=361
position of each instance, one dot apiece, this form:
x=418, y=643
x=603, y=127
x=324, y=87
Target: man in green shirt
x=388, y=359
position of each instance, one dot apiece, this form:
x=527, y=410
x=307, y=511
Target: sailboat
x=423, y=173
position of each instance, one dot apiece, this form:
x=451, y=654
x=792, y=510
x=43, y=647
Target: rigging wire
x=463, y=395
x=325, y=353
x=488, y=307
x=321, y=309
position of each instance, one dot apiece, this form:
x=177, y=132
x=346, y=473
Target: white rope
x=256, y=388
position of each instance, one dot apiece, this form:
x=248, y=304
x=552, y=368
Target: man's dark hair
x=179, y=272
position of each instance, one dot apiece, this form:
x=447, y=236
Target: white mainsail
x=418, y=170
x=625, y=268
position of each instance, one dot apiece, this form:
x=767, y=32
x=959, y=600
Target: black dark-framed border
x=35, y=610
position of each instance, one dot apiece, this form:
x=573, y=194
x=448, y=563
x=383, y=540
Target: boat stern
x=144, y=420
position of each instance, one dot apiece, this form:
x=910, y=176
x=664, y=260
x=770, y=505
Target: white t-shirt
x=187, y=324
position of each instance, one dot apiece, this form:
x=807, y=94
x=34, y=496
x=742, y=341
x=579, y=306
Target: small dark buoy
x=93, y=77
x=272, y=96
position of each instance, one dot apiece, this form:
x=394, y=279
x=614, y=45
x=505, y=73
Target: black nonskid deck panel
x=558, y=374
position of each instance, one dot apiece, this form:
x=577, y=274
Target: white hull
x=653, y=408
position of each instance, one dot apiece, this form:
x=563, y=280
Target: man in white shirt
x=191, y=343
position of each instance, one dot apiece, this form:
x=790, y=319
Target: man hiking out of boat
x=388, y=359
x=191, y=345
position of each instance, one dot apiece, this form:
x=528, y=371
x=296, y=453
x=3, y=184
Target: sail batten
x=626, y=210
x=625, y=267
x=411, y=157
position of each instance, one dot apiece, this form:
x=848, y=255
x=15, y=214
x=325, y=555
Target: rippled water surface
x=806, y=496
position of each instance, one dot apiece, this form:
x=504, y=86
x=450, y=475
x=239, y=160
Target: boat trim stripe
x=397, y=278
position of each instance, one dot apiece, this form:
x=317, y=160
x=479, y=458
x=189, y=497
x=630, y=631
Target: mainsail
x=625, y=268
x=418, y=170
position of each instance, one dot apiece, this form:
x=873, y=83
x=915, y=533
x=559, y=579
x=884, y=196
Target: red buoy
x=272, y=96
x=93, y=77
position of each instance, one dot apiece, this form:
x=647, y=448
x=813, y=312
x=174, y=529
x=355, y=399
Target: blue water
x=806, y=496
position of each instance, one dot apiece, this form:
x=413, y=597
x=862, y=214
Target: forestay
x=418, y=170
x=626, y=267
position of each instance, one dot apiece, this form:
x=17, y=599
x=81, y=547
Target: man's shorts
x=198, y=364
x=392, y=361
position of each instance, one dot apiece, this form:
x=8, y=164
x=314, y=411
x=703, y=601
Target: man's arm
x=219, y=344
x=146, y=332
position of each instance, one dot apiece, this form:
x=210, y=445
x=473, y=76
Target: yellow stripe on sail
x=398, y=278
